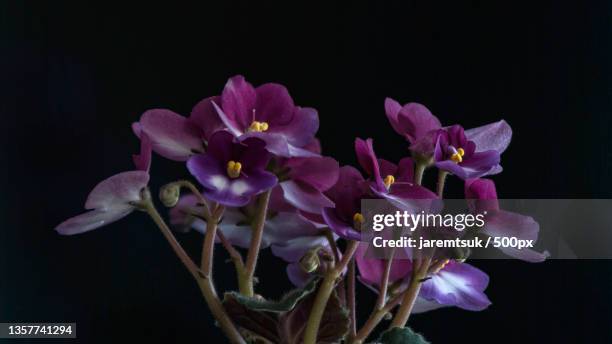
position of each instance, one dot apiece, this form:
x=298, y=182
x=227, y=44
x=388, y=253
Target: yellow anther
x=233, y=169
x=389, y=180
x=357, y=221
x=440, y=265
x=458, y=155
x=258, y=126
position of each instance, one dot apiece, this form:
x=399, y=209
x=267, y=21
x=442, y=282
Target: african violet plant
x=264, y=183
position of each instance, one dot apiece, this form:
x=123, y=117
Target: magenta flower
x=456, y=154
x=111, y=200
x=267, y=112
x=288, y=234
x=482, y=197
x=176, y=137
x=304, y=181
x=450, y=283
x=345, y=217
x=421, y=128
x=232, y=172
x=390, y=181
x=416, y=124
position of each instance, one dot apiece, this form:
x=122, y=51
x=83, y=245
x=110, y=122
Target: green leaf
x=403, y=335
x=258, y=324
x=285, y=304
x=334, y=323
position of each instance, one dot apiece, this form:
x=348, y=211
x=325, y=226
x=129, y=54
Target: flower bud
x=310, y=261
x=169, y=194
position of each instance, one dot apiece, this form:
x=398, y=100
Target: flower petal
x=205, y=116
x=416, y=120
x=238, y=102
x=458, y=284
x=405, y=171
x=338, y=226
x=117, y=190
x=493, y=136
x=318, y=172
x=508, y=224
x=172, y=135
x=300, y=131
x=142, y=161
x=273, y=105
x=305, y=197
x=92, y=219
x=392, y=109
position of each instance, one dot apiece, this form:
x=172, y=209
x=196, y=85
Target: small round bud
x=310, y=261
x=388, y=316
x=169, y=194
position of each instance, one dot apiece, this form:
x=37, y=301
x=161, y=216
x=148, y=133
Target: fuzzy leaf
x=403, y=335
x=285, y=304
x=259, y=324
x=334, y=324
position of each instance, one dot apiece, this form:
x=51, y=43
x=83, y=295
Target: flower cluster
x=263, y=182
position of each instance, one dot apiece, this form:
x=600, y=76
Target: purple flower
x=450, y=283
x=232, y=172
x=390, y=181
x=456, y=154
x=267, y=112
x=422, y=129
x=345, y=218
x=482, y=197
x=288, y=234
x=111, y=200
x=416, y=124
x=304, y=181
x=176, y=137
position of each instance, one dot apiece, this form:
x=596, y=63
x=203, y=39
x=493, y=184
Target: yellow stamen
x=458, y=155
x=389, y=180
x=233, y=169
x=441, y=265
x=357, y=221
x=258, y=126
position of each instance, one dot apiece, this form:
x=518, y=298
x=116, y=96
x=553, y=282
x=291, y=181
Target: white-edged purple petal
x=172, y=135
x=503, y=223
x=494, y=136
x=117, y=190
x=110, y=200
x=458, y=284
x=92, y=219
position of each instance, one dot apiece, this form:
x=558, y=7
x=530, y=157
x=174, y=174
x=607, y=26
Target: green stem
x=351, y=297
x=325, y=290
x=246, y=280
x=203, y=277
x=441, y=181
x=419, y=170
x=418, y=273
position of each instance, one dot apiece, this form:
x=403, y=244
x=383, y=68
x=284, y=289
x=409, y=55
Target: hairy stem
x=206, y=282
x=418, y=273
x=351, y=297
x=325, y=290
x=203, y=277
x=441, y=181
x=419, y=170
x=246, y=280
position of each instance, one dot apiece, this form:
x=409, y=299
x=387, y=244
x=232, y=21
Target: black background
x=74, y=76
